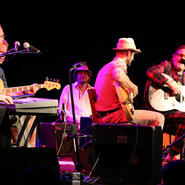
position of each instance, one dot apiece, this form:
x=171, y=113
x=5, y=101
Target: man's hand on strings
x=34, y=89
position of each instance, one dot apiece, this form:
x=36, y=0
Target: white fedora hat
x=127, y=44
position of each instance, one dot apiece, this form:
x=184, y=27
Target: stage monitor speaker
x=15, y=161
x=127, y=154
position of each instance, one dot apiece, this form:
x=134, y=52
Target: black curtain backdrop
x=75, y=30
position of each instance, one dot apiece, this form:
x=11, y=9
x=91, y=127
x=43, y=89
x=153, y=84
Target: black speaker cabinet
x=15, y=161
x=47, y=135
x=65, y=143
x=127, y=154
x=58, y=136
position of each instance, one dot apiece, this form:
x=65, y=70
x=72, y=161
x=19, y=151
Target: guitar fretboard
x=19, y=89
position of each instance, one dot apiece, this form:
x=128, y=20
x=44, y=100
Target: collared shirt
x=81, y=103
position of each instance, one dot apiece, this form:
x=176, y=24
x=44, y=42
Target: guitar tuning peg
x=56, y=80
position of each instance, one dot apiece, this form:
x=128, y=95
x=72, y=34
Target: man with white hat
x=82, y=105
x=112, y=77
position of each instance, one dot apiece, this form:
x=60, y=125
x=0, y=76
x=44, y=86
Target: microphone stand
x=13, y=52
x=78, y=165
x=180, y=141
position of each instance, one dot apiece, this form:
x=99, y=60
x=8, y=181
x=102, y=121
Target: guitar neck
x=19, y=89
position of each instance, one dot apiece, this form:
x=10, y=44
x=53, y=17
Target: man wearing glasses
x=164, y=92
x=4, y=140
x=3, y=48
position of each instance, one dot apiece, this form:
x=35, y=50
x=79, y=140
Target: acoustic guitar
x=162, y=99
x=126, y=100
x=49, y=85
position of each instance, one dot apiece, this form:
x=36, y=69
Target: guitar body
x=162, y=100
x=1, y=84
x=126, y=101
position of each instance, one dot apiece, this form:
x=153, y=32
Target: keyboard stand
x=23, y=130
x=30, y=133
x=37, y=107
x=34, y=125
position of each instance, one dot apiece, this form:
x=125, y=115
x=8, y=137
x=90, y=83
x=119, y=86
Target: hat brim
x=82, y=70
x=135, y=50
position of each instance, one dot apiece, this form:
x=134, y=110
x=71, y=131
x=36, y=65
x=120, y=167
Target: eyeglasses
x=2, y=36
x=180, y=55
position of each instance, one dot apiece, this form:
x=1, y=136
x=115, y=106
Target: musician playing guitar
x=7, y=97
x=115, y=90
x=168, y=74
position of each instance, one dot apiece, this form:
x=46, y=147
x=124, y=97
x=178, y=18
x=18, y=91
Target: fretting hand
x=34, y=89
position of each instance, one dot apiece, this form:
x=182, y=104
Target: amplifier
x=127, y=154
x=57, y=135
x=65, y=143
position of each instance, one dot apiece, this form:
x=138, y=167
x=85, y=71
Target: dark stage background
x=74, y=30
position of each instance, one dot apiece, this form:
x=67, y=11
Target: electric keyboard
x=32, y=105
x=32, y=102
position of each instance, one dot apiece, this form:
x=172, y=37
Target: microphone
x=26, y=45
x=16, y=45
x=182, y=61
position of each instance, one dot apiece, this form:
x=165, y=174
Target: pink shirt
x=81, y=103
x=107, y=98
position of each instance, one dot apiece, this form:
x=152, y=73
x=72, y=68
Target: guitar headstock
x=49, y=85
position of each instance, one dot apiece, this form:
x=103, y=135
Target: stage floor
x=67, y=165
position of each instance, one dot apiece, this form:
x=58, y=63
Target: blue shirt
x=3, y=81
